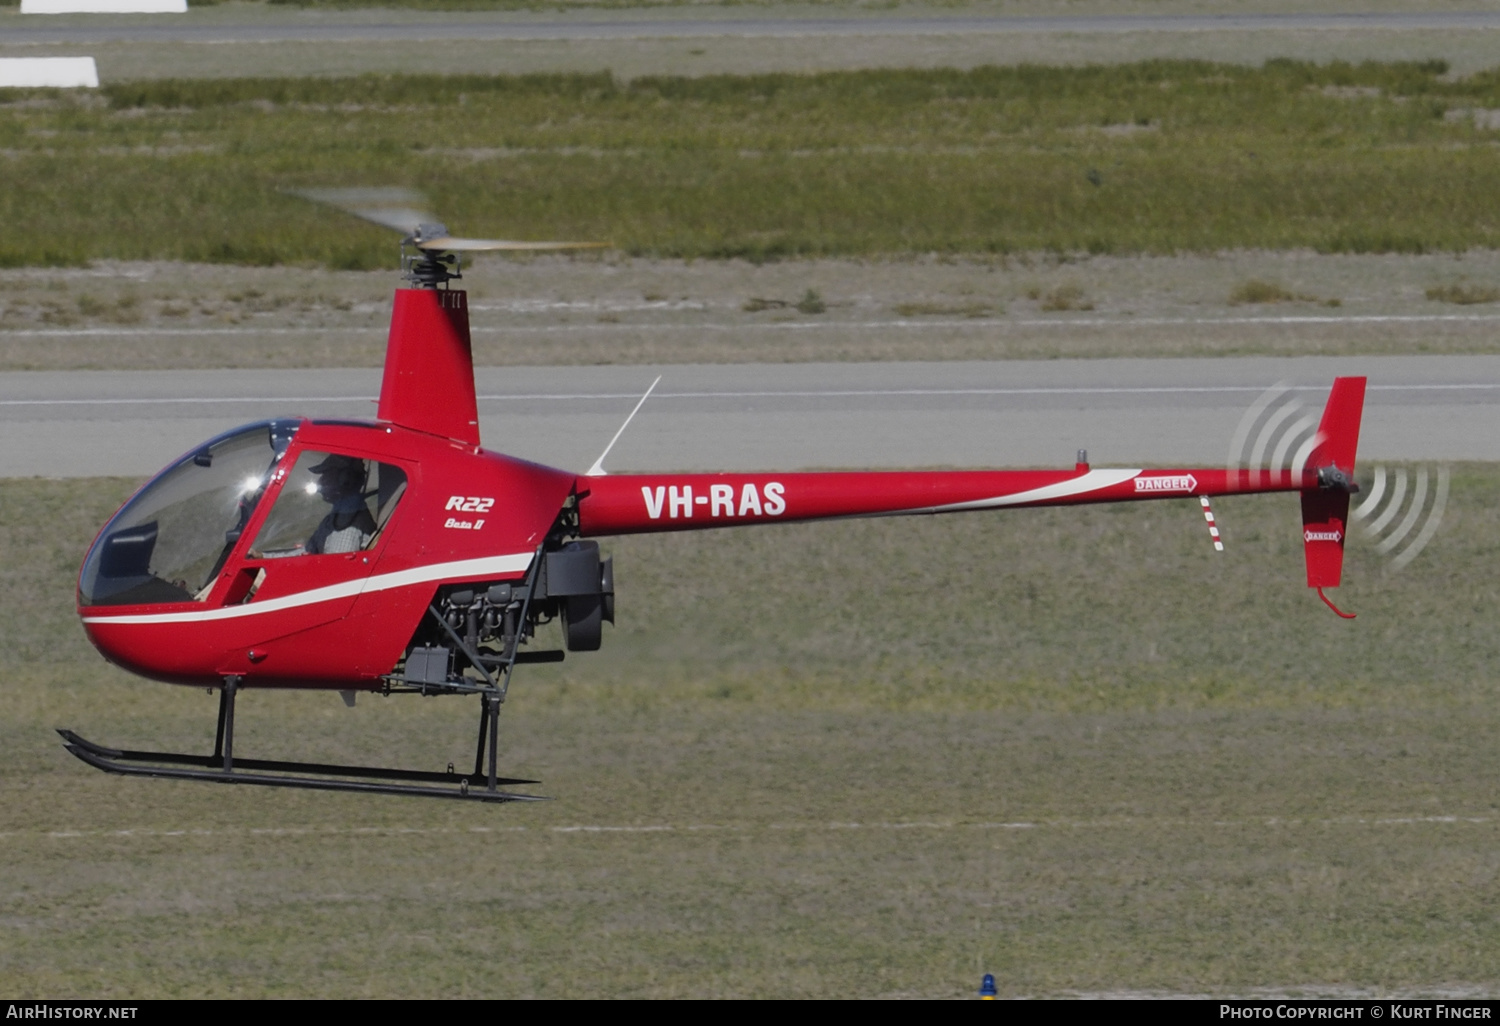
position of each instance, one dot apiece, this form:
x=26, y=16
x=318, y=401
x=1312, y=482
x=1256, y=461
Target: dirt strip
x=616, y=310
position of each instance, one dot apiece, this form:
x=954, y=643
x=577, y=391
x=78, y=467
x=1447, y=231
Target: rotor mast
x=426, y=267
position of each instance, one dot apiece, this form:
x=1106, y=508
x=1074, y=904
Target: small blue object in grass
x=987, y=990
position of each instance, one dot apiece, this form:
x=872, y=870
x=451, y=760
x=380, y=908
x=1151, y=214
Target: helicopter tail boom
x=648, y=503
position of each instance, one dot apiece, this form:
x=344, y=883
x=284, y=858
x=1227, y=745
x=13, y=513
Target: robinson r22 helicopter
x=399, y=556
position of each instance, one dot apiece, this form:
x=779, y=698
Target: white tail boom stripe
x=1094, y=480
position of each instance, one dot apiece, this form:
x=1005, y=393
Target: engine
x=485, y=625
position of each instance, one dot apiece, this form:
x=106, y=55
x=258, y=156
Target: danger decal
x=1167, y=483
x=720, y=500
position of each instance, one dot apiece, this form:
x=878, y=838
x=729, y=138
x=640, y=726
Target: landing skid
x=223, y=768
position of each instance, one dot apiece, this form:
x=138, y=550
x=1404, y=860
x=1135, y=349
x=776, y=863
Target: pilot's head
x=339, y=476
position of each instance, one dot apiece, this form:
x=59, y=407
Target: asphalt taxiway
x=778, y=416
x=345, y=27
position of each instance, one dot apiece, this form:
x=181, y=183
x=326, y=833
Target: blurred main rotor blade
x=404, y=210
x=401, y=209
x=450, y=244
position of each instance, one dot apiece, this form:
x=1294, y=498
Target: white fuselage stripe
x=487, y=566
x=1093, y=480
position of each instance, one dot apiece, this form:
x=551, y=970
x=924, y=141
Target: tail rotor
x=1290, y=441
x=1276, y=433
x=1400, y=510
x=1401, y=514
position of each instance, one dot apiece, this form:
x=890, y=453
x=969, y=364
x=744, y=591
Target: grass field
x=1157, y=157
x=1076, y=749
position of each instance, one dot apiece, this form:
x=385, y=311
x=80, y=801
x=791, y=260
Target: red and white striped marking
x=1213, y=529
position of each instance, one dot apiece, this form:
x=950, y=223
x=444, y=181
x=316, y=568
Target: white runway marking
x=976, y=324
x=664, y=828
x=170, y=332
x=972, y=324
x=335, y=27
x=848, y=393
x=104, y=6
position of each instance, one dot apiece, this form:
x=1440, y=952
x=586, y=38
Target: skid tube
x=223, y=768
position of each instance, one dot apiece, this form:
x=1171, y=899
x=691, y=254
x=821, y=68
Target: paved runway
x=778, y=416
x=323, y=27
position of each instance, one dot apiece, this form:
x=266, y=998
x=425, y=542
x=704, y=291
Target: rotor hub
x=428, y=268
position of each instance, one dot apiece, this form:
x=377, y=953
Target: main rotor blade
x=405, y=211
x=450, y=244
x=401, y=209
x=404, y=221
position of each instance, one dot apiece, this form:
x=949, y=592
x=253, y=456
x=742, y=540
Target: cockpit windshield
x=168, y=543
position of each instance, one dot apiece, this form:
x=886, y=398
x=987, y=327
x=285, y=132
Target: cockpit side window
x=330, y=503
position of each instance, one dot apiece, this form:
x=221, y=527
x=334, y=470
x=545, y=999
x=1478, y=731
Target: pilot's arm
x=348, y=528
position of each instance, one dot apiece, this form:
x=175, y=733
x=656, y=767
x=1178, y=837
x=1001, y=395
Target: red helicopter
x=399, y=556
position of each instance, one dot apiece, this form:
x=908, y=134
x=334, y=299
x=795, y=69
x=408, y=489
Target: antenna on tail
x=597, y=470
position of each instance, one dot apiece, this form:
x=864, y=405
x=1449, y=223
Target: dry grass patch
x=547, y=312
x=1255, y=292
x=1463, y=293
x=812, y=302
x=1068, y=296
x=973, y=311
x=760, y=304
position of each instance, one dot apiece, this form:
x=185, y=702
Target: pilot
x=349, y=526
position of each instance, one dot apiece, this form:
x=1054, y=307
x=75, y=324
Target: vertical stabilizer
x=1325, y=507
x=1338, y=431
x=429, y=365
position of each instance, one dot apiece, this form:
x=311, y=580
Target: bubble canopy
x=168, y=543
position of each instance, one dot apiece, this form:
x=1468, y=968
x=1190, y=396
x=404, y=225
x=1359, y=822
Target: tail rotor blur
x=1276, y=433
x=1401, y=514
x=1400, y=510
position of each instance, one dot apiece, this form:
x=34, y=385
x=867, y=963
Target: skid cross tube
x=489, y=729
x=218, y=757
x=484, y=731
x=492, y=707
x=225, y=746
